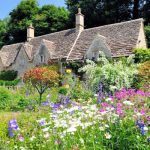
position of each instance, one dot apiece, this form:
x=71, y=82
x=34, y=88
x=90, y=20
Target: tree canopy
x=46, y=19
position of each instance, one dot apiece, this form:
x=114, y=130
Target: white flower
x=81, y=140
x=96, y=95
x=32, y=138
x=71, y=129
x=128, y=103
x=101, y=128
x=48, y=96
x=46, y=135
x=107, y=135
x=108, y=99
x=22, y=148
x=45, y=129
x=106, y=125
x=145, y=128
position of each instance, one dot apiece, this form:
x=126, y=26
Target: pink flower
x=119, y=104
x=148, y=118
x=21, y=138
x=119, y=111
x=104, y=104
x=142, y=112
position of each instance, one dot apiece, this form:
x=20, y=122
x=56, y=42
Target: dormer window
x=42, y=59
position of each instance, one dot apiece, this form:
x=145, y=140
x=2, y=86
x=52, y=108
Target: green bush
x=13, y=101
x=147, y=32
x=5, y=99
x=63, y=91
x=142, y=55
x=8, y=75
x=9, y=83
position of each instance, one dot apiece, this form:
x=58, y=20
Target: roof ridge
x=52, y=33
x=119, y=23
x=13, y=44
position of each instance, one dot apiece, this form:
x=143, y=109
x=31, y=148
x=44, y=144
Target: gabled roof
x=8, y=53
x=28, y=49
x=72, y=44
x=121, y=37
x=62, y=40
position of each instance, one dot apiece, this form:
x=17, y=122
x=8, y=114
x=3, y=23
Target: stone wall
x=22, y=63
x=141, y=43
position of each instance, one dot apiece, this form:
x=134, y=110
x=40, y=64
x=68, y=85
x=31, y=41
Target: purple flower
x=148, y=139
x=12, y=125
x=46, y=103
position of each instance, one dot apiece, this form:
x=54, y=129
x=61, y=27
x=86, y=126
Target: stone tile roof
x=28, y=49
x=8, y=53
x=51, y=47
x=121, y=38
x=63, y=42
x=70, y=44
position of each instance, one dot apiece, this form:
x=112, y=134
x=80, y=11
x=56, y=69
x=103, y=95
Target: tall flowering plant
x=41, y=78
x=114, y=75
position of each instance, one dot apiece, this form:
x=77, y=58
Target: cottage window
x=42, y=57
x=22, y=62
x=94, y=55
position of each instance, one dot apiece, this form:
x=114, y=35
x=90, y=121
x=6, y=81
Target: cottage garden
x=92, y=106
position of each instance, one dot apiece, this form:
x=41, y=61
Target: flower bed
x=120, y=121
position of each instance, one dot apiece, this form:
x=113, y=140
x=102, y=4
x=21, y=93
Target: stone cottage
x=114, y=40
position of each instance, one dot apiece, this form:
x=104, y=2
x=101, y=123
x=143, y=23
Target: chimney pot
x=79, y=20
x=30, y=32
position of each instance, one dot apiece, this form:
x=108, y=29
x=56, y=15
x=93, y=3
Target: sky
x=6, y=6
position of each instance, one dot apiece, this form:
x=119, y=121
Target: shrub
x=113, y=75
x=9, y=83
x=147, y=32
x=143, y=79
x=5, y=99
x=63, y=91
x=8, y=75
x=142, y=55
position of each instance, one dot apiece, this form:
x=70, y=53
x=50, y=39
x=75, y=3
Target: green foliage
x=113, y=75
x=63, y=91
x=142, y=55
x=99, y=12
x=3, y=29
x=8, y=75
x=50, y=19
x=5, y=98
x=47, y=19
x=147, y=32
x=20, y=18
x=9, y=83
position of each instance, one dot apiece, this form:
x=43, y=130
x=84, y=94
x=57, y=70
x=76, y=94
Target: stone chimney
x=79, y=20
x=30, y=32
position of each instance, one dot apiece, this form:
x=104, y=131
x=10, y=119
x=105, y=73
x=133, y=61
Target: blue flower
x=46, y=103
x=12, y=125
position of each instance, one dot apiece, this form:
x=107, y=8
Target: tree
x=41, y=78
x=20, y=18
x=3, y=31
x=50, y=19
x=146, y=12
x=100, y=12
